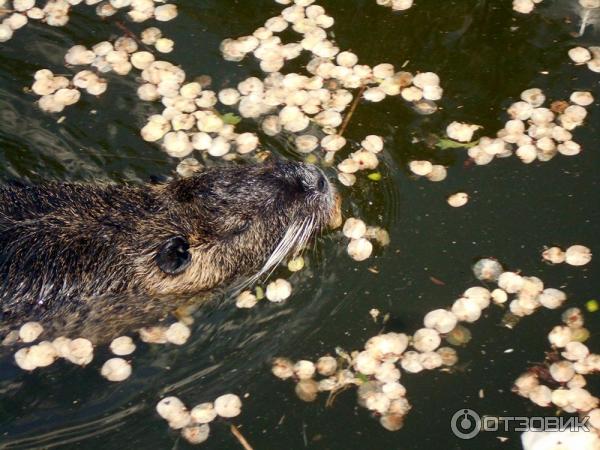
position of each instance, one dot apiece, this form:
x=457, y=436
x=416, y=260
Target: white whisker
x=293, y=242
x=584, y=22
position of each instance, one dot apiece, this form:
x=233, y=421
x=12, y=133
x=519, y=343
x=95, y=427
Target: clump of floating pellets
x=80, y=351
x=376, y=370
x=589, y=56
x=194, y=423
x=560, y=381
x=56, y=12
x=533, y=132
x=77, y=351
x=361, y=235
x=575, y=255
x=177, y=333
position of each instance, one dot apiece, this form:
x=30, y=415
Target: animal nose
x=322, y=184
x=318, y=180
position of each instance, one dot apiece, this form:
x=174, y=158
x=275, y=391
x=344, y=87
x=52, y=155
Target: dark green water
x=485, y=55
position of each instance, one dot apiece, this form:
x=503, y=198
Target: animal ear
x=174, y=256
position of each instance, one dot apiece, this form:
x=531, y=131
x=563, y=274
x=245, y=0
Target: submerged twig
x=352, y=109
x=333, y=395
x=237, y=433
x=132, y=35
x=584, y=22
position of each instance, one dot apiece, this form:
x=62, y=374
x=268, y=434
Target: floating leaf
x=362, y=377
x=260, y=294
x=231, y=119
x=374, y=176
x=311, y=159
x=445, y=144
x=592, y=305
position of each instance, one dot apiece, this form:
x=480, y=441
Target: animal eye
x=321, y=184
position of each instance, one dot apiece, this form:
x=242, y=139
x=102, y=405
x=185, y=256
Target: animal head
x=238, y=222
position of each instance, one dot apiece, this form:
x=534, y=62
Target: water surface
x=485, y=55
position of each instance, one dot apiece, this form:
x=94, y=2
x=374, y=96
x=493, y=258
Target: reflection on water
x=485, y=56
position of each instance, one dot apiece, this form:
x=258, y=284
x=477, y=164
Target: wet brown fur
x=66, y=248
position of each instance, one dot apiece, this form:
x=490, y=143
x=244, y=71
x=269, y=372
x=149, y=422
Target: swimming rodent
x=65, y=246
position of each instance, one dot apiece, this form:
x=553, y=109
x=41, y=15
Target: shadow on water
x=485, y=55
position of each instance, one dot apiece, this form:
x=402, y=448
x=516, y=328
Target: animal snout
x=317, y=181
x=308, y=178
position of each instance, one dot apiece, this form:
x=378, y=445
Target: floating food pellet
x=441, y=320
x=80, y=352
x=487, y=269
x=178, y=333
x=461, y=132
x=426, y=340
x=523, y=6
x=411, y=362
x=373, y=143
x=278, y=290
x=116, y=369
x=580, y=55
x=228, y=405
x=348, y=166
x=511, y=282
x=560, y=336
x=438, y=173
x=554, y=255
x=421, y=168
x=173, y=411
x=347, y=179
x=307, y=390
x=354, y=228
x=40, y=355
x=392, y=422
x=122, y=346
x=360, y=249
x=459, y=199
x=304, y=369
x=203, y=413
x=246, y=299
x=282, y=368
x=326, y=366
x=562, y=371
x=164, y=13
x=30, y=331
x=582, y=98
x=196, y=434
x=333, y=143
x=575, y=351
x=466, y=310
x=154, y=335
x=499, y=296
x=164, y=45
x=578, y=255
x=551, y=298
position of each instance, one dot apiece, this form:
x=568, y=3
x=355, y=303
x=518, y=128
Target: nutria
x=65, y=246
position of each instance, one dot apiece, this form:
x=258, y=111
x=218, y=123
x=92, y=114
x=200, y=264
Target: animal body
x=66, y=246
